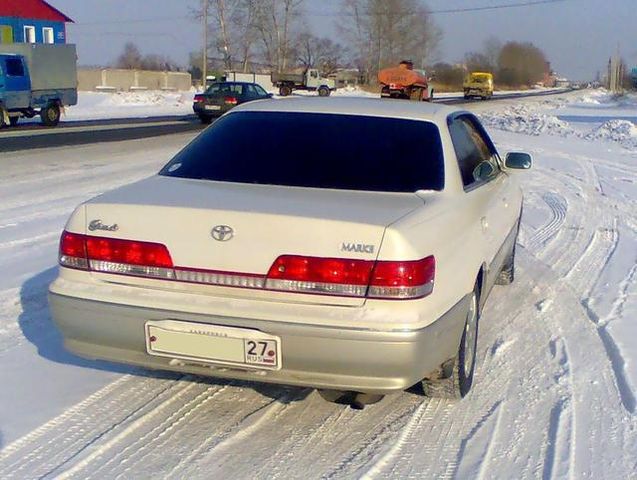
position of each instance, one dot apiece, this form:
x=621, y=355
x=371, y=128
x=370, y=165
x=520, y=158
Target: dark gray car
x=223, y=96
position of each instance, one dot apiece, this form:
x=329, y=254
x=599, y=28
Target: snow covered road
x=556, y=387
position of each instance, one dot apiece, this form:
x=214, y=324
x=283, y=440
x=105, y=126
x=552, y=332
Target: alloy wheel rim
x=470, y=336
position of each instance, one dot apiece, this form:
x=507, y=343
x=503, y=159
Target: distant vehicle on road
x=310, y=80
x=478, y=84
x=223, y=96
x=404, y=82
x=36, y=80
x=347, y=245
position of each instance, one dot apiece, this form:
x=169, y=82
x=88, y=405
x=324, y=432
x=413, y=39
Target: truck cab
x=478, y=84
x=15, y=83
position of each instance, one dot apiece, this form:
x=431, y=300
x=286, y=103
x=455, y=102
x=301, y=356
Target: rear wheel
x=206, y=120
x=324, y=92
x=507, y=274
x=285, y=90
x=14, y=121
x=50, y=115
x=455, y=378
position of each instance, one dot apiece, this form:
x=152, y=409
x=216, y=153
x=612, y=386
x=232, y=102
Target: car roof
x=373, y=107
x=232, y=82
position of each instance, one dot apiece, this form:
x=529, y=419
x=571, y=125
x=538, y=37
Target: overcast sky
x=578, y=36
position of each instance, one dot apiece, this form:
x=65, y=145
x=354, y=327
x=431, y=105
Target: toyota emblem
x=222, y=233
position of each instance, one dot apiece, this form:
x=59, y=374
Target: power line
x=501, y=6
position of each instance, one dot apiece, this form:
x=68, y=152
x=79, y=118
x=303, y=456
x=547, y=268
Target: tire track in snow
x=558, y=206
x=60, y=439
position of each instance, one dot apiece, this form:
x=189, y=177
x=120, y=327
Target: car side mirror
x=483, y=171
x=518, y=161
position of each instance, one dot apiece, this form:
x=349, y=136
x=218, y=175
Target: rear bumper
x=201, y=111
x=315, y=356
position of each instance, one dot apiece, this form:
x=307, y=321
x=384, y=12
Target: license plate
x=202, y=343
x=213, y=107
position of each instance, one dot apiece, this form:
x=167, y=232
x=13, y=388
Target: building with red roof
x=31, y=21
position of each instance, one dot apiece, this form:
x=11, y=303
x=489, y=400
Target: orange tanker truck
x=405, y=82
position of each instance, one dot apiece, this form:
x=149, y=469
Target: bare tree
x=275, y=22
x=384, y=32
x=321, y=53
x=131, y=57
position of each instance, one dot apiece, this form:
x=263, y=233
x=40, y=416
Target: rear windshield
x=344, y=152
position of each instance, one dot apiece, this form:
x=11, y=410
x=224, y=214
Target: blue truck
x=36, y=80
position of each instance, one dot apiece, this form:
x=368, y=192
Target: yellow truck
x=478, y=84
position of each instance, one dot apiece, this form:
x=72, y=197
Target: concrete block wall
x=111, y=79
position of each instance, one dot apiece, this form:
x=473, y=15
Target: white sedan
x=343, y=244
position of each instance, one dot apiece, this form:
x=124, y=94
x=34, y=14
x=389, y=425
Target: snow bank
x=607, y=118
x=521, y=119
x=621, y=131
x=140, y=104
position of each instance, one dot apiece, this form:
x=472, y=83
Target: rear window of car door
x=471, y=150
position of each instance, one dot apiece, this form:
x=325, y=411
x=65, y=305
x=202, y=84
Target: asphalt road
x=32, y=136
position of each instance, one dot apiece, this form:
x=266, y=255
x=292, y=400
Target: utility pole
x=204, y=69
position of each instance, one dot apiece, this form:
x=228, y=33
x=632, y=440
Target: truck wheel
x=454, y=380
x=285, y=90
x=324, y=92
x=50, y=115
x=4, y=118
x=14, y=121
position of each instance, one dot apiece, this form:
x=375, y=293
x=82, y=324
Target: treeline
x=132, y=59
x=274, y=35
x=513, y=64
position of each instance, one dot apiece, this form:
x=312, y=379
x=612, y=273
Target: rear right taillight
x=390, y=280
x=327, y=276
x=403, y=280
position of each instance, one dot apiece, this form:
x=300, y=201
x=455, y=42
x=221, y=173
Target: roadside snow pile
x=101, y=105
x=521, y=119
x=621, y=131
x=148, y=98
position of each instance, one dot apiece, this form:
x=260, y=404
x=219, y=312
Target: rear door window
x=473, y=150
x=332, y=151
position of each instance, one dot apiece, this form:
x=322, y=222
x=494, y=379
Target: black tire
x=455, y=378
x=466, y=97
x=206, y=120
x=50, y=115
x=14, y=121
x=507, y=274
x=285, y=90
x=324, y=92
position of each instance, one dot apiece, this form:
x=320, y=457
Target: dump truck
x=36, y=80
x=405, y=82
x=478, y=84
x=308, y=79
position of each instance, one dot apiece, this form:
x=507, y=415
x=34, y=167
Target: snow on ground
x=556, y=385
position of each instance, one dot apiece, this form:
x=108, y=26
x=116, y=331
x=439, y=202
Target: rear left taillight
x=199, y=99
x=110, y=255
x=73, y=251
x=231, y=100
x=129, y=257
